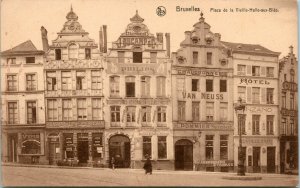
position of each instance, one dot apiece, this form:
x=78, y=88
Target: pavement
x=49, y=175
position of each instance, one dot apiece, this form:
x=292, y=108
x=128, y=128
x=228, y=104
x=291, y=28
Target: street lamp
x=240, y=107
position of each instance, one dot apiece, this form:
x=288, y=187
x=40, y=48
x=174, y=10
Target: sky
x=21, y=20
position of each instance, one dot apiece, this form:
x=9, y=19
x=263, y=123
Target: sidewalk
x=142, y=171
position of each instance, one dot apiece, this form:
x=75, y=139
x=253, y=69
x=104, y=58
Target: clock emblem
x=71, y=27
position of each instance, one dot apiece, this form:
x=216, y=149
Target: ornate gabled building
x=73, y=95
x=202, y=102
x=255, y=81
x=138, y=107
x=288, y=116
x=22, y=105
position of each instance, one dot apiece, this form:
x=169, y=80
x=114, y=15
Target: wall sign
x=254, y=81
x=200, y=72
x=217, y=163
x=286, y=112
x=205, y=96
x=137, y=69
x=255, y=109
x=138, y=101
x=204, y=126
x=257, y=141
x=290, y=86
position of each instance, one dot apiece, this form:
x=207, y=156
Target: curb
x=246, y=178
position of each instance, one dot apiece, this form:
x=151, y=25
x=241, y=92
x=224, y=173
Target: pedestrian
x=148, y=166
x=112, y=162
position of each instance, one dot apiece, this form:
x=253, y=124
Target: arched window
x=73, y=51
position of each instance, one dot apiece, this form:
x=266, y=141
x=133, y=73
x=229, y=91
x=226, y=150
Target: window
x=223, y=111
x=180, y=84
x=284, y=77
x=145, y=86
x=121, y=57
x=284, y=99
x=51, y=81
x=137, y=57
x=195, y=57
x=209, y=85
x=161, y=86
x=209, y=111
x=12, y=82
x=31, y=143
x=270, y=92
x=161, y=114
x=130, y=110
x=30, y=82
x=11, y=61
x=255, y=95
x=30, y=60
x=115, y=113
x=67, y=109
x=242, y=93
x=292, y=102
x=241, y=70
x=12, y=113
x=223, y=85
x=73, y=51
x=52, y=110
x=66, y=81
x=255, y=124
x=195, y=111
x=270, y=71
x=242, y=123
x=57, y=54
x=195, y=84
x=146, y=114
x=80, y=80
x=255, y=70
x=209, y=58
x=114, y=86
x=270, y=122
x=146, y=146
x=284, y=127
x=162, y=147
x=130, y=86
x=96, y=79
x=87, y=53
x=153, y=57
x=223, y=147
x=209, y=147
x=292, y=126
x=96, y=109
x=81, y=109
x=292, y=73
x=31, y=112
x=181, y=110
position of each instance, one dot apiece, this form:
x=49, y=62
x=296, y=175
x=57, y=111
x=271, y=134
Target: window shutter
x=249, y=71
x=263, y=95
x=263, y=71
x=249, y=94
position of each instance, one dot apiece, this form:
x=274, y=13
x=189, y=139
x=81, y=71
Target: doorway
x=12, y=147
x=83, y=151
x=119, y=148
x=183, y=155
x=256, y=159
x=271, y=159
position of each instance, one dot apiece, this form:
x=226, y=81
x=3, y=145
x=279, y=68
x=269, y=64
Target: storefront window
x=162, y=147
x=209, y=147
x=97, y=144
x=31, y=143
x=223, y=147
x=146, y=146
x=68, y=145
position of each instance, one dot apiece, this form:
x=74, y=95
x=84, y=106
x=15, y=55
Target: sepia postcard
x=149, y=93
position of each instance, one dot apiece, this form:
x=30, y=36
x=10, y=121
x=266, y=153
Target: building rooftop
x=23, y=49
x=249, y=48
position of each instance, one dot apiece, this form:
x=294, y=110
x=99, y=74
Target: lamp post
x=241, y=167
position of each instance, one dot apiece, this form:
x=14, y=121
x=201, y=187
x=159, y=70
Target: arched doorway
x=119, y=148
x=183, y=155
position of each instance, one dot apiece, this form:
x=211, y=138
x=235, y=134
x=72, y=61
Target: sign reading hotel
x=204, y=126
x=200, y=72
x=254, y=81
x=132, y=69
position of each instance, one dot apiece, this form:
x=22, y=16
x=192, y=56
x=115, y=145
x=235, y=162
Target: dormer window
x=208, y=39
x=57, y=54
x=87, y=53
x=73, y=51
x=180, y=59
x=30, y=60
x=195, y=40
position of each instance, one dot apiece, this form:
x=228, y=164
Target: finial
x=71, y=8
x=291, y=49
x=201, y=14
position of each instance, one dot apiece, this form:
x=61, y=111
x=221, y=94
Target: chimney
x=101, y=40
x=104, y=38
x=44, y=39
x=168, y=43
x=160, y=37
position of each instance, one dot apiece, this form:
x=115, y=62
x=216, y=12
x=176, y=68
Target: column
x=90, y=138
x=154, y=147
x=75, y=145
